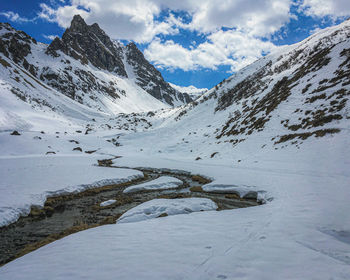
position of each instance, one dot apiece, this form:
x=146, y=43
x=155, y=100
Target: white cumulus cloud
x=15, y=17
x=320, y=8
x=234, y=31
x=233, y=48
x=137, y=20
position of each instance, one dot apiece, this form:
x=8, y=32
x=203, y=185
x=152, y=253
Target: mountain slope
x=298, y=92
x=85, y=66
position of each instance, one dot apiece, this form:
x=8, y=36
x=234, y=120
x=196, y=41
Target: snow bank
x=242, y=191
x=167, y=207
x=161, y=183
x=27, y=181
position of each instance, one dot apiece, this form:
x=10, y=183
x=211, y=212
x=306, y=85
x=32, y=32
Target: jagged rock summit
x=89, y=43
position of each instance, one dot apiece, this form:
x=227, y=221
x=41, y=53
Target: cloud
x=137, y=20
x=320, y=8
x=234, y=31
x=15, y=17
x=258, y=17
x=233, y=48
x=50, y=37
x=143, y=21
x=128, y=20
x=62, y=15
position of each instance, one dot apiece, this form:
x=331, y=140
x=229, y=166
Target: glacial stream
x=67, y=214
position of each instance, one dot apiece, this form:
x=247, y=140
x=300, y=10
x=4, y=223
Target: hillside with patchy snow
x=299, y=93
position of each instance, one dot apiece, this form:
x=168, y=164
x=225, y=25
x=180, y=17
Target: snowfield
x=301, y=234
x=161, y=183
x=157, y=207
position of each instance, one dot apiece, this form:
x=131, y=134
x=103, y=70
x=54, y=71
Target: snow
x=193, y=91
x=107, y=202
x=291, y=237
x=156, y=207
x=161, y=183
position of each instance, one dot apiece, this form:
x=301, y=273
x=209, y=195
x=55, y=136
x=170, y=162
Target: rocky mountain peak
x=78, y=24
x=89, y=43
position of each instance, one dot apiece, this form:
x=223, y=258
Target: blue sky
x=191, y=42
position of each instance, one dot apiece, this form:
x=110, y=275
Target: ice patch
x=107, y=202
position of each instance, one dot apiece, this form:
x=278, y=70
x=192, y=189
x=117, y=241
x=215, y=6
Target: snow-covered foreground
x=157, y=207
x=161, y=183
x=301, y=234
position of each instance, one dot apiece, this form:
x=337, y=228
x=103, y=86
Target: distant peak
x=132, y=45
x=78, y=18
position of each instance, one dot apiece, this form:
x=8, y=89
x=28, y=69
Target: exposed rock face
x=16, y=45
x=151, y=80
x=89, y=43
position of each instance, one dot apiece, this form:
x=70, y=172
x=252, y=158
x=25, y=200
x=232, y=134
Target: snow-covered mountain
x=86, y=66
x=190, y=90
x=297, y=93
